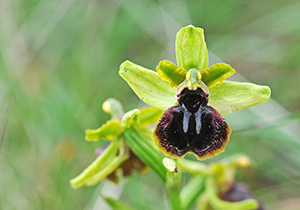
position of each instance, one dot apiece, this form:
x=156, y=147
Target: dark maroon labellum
x=192, y=126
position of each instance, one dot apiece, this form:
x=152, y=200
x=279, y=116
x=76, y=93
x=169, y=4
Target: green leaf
x=228, y=96
x=191, y=51
x=109, y=131
x=149, y=116
x=171, y=73
x=148, y=86
x=104, y=165
x=115, y=204
x=145, y=152
x=216, y=74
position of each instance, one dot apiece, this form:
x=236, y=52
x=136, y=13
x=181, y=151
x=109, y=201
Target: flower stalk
x=173, y=184
x=145, y=152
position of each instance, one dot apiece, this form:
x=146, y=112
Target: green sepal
x=110, y=130
x=170, y=72
x=114, y=155
x=216, y=74
x=145, y=152
x=115, y=204
x=217, y=203
x=149, y=116
x=228, y=96
x=191, y=51
x=148, y=85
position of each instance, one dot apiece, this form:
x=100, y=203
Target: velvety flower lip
x=191, y=126
x=179, y=130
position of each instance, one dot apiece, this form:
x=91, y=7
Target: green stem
x=192, y=191
x=193, y=167
x=145, y=152
x=173, y=186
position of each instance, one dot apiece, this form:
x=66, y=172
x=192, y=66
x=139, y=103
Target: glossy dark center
x=192, y=99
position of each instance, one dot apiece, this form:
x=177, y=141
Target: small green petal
x=149, y=116
x=148, y=86
x=216, y=74
x=109, y=131
x=130, y=118
x=191, y=48
x=170, y=72
x=228, y=96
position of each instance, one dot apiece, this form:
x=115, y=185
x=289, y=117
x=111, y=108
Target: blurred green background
x=59, y=61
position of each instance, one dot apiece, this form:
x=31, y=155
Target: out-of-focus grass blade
x=115, y=204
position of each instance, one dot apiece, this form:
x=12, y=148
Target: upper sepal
x=148, y=85
x=191, y=51
x=228, y=96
